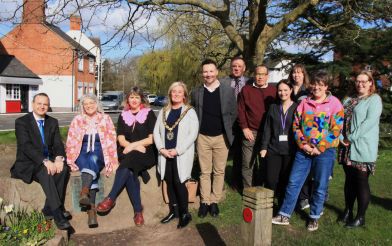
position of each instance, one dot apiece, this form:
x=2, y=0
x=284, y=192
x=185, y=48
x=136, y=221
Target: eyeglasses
x=361, y=82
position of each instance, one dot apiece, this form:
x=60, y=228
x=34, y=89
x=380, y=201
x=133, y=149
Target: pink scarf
x=131, y=119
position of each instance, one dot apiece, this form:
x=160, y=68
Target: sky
x=104, y=20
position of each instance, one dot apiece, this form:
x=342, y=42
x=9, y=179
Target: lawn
x=8, y=137
x=378, y=218
x=377, y=230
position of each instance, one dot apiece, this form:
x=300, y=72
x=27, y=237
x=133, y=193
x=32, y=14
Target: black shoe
x=359, y=221
x=49, y=215
x=203, y=210
x=214, y=210
x=184, y=220
x=347, y=216
x=60, y=221
x=145, y=176
x=168, y=218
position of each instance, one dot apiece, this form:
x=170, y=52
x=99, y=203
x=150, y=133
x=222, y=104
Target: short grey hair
x=92, y=97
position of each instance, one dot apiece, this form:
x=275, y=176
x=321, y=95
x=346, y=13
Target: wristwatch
x=60, y=158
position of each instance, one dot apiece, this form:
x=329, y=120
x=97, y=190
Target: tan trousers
x=212, y=153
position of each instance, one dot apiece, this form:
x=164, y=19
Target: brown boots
x=92, y=217
x=84, y=199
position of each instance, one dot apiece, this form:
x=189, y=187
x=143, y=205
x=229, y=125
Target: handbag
x=191, y=185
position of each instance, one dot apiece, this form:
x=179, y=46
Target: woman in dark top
x=278, y=145
x=174, y=134
x=299, y=78
x=135, y=152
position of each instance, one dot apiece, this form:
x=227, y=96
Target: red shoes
x=138, y=219
x=106, y=205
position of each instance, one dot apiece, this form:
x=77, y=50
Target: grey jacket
x=228, y=107
x=186, y=136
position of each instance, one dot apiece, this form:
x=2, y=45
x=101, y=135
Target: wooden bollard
x=256, y=227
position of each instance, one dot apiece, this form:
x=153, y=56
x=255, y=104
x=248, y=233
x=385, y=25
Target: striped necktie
x=237, y=86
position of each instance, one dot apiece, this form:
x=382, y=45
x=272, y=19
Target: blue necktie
x=41, y=131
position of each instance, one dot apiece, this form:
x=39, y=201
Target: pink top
x=107, y=136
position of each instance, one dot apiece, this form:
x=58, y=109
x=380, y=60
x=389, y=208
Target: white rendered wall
x=2, y=98
x=59, y=90
x=278, y=72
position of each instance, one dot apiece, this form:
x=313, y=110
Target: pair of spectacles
x=361, y=82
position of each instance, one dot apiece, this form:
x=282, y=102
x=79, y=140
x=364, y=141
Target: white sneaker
x=280, y=220
x=312, y=225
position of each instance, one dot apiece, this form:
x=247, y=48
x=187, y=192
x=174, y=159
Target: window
x=12, y=92
x=91, y=88
x=80, y=61
x=80, y=89
x=91, y=65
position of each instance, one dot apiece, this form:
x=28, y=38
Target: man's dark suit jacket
x=228, y=79
x=30, y=149
x=228, y=107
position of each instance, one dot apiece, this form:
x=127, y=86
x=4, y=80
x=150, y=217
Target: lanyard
x=283, y=116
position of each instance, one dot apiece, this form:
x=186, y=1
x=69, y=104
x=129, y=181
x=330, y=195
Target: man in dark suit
x=216, y=108
x=40, y=157
x=237, y=80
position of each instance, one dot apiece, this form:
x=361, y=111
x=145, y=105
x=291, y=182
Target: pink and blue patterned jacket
x=107, y=137
x=318, y=124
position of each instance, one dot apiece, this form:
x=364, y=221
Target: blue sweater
x=365, y=128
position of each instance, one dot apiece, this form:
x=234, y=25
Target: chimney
x=75, y=22
x=33, y=11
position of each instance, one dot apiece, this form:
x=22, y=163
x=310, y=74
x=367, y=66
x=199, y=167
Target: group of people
x=283, y=137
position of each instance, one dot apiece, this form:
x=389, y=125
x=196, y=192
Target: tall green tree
x=253, y=25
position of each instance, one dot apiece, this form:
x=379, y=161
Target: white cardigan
x=188, y=129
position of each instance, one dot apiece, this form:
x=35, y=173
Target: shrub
x=18, y=226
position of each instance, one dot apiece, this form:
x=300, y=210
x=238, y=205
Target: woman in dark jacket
x=278, y=145
x=135, y=152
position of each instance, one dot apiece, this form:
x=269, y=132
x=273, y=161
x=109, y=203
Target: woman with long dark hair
x=278, y=145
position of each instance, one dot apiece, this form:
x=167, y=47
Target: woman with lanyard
x=278, y=145
x=174, y=135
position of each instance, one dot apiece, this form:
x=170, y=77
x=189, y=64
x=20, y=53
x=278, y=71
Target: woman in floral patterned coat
x=91, y=146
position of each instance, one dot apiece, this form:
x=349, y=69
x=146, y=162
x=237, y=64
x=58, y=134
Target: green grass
x=9, y=137
x=377, y=230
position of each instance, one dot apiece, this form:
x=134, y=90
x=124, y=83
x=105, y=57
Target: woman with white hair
x=91, y=146
x=175, y=133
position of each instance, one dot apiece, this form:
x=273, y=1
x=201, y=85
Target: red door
x=13, y=106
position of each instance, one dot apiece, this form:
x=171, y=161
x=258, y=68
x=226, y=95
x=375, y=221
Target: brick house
x=65, y=68
x=92, y=44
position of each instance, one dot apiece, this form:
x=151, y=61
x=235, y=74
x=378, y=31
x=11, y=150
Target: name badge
x=283, y=138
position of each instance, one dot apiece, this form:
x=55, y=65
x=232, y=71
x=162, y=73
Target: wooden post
x=256, y=228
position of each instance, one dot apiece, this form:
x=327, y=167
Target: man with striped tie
x=40, y=157
x=237, y=80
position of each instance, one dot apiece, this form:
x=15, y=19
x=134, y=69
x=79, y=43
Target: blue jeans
x=321, y=167
x=125, y=177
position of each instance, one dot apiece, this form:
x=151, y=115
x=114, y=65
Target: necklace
x=170, y=134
